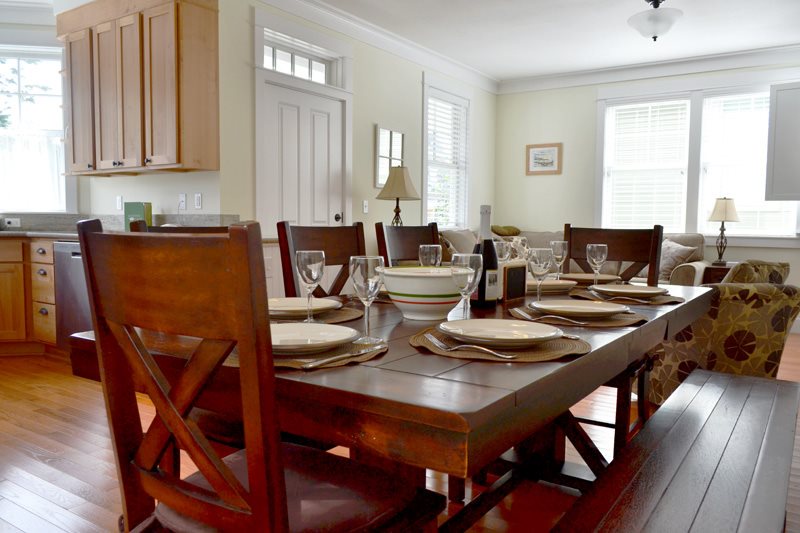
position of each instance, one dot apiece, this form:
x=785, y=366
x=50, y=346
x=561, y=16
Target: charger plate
x=499, y=333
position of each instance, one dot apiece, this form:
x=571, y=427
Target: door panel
x=80, y=127
x=300, y=171
x=129, y=90
x=160, y=85
x=105, y=91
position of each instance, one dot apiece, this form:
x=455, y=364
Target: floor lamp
x=724, y=211
x=398, y=187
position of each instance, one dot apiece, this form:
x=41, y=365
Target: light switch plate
x=365, y=207
x=198, y=200
x=119, y=202
x=12, y=223
x=182, y=201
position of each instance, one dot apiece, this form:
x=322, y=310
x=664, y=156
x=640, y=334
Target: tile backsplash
x=62, y=222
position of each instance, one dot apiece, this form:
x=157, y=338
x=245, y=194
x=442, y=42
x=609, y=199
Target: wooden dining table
x=411, y=410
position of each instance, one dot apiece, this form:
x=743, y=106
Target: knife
x=319, y=362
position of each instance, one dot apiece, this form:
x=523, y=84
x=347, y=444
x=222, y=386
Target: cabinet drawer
x=44, y=322
x=41, y=252
x=10, y=251
x=42, y=283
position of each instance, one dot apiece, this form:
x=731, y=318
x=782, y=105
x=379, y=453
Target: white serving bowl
x=422, y=293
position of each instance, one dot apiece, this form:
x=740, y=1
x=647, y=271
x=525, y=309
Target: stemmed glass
x=596, y=254
x=559, y=255
x=366, y=271
x=466, y=270
x=310, y=266
x=430, y=255
x=540, y=260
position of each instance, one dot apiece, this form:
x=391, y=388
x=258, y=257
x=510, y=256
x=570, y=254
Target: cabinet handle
x=42, y=272
x=89, y=166
x=114, y=163
x=120, y=164
x=147, y=160
x=41, y=251
x=43, y=311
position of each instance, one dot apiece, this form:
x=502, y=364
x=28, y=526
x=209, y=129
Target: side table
x=715, y=273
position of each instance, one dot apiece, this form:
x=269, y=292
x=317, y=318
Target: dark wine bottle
x=489, y=286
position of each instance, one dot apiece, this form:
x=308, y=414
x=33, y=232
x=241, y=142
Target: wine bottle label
x=492, y=285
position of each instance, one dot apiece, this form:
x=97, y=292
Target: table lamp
x=398, y=187
x=724, y=211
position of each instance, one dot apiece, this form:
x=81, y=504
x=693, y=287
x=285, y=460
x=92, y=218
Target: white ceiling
x=510, y=39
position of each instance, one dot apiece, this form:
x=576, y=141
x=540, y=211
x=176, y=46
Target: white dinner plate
x=552, y=286
x=635, y=291
x=499, y=333
x=298, y=307
x=578, y=308
x=301, y=338
x=587, y=279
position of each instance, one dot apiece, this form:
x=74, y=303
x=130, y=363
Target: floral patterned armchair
x=744, y=332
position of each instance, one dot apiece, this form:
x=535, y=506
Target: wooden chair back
x=211, y=288
x=401, y=243
x=640, y=247
x=141, y=226
x=338, y=243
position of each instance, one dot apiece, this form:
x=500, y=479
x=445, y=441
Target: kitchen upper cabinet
x=79, y=116
x=156, y=84
x=783, y=156
x=118, y=93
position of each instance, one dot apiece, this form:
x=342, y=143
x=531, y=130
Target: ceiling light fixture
x=655, y=22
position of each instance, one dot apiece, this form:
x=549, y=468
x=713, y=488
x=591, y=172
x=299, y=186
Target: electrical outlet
x=198, y=200
x=12, y=223
x=119, y=202
x=365, y=207
x=182, y=201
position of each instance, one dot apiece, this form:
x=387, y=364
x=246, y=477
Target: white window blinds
x=645, y=162
x=733, y=164
x=446, y=159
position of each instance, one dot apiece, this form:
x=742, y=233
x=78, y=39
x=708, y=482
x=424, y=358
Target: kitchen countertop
x=60, y=235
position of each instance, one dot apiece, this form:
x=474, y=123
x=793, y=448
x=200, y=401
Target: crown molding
x=30, y=14
x=765, y=57
x=327, y=16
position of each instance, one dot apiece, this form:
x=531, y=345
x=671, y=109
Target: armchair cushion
x=744, y=332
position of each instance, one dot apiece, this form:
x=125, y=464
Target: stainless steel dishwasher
x=72, y=297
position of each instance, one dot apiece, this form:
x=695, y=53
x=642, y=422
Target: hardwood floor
x=57, y=471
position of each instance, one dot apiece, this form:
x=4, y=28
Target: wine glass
x=540, y=260
x=310, y=266
x=430, y=255
x=559, y=254
x=466, y=271
x=366, y=271
x=596, y=254
x=502, y=249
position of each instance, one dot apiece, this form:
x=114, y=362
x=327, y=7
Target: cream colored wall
x=387, y=90
x=546, y=202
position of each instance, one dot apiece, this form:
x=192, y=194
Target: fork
x=620, y=298
x=474, y=347
x=527, y=316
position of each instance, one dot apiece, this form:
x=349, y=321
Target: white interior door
x=300, y=168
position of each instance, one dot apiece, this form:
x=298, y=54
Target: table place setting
x=626, y=294
x=553, y=315
x=499, y=340
x=308, y=346
x=323, y=310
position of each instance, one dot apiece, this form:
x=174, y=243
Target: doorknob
x=337, y=217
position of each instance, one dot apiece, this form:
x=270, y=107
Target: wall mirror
x=389, y=152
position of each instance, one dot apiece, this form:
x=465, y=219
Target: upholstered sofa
x=682, y=261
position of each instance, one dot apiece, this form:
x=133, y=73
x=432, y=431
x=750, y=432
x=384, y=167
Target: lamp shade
x=398, y=186
x=724, y=211
x=655, y=22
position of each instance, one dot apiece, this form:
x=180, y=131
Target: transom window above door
x=295, y=64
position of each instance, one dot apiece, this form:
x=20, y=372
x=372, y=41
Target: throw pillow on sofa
x=672, y=255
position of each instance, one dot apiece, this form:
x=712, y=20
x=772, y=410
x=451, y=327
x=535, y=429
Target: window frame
x=441, y=89
x=49, y=53
x=696, y=89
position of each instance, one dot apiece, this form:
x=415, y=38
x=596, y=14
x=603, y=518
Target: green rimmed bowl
x=421, y=293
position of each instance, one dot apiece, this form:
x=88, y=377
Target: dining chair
x=212, y=289
x=338, y=243
x=141, y=226
x=401, y=243
x=634, y=250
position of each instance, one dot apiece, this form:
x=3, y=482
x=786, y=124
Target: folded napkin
x=620, y=319
x=545, y=351
x=663, y=299
x=297, y=361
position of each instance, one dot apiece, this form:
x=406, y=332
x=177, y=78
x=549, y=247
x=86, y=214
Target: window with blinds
x=733, y=164
x=446, y=159
x=645, y=164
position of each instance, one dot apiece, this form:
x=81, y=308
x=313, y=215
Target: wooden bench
x=715, y=457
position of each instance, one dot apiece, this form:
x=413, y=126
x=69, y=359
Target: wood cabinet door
x=105, y=96
x=12, y=302
x=160, y=85
x=80, y=122
x=129, y=90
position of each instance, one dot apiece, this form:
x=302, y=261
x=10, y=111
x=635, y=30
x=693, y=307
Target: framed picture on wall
x=541, y=159
x=389, y=152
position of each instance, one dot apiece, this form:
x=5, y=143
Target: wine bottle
x=489, y=286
